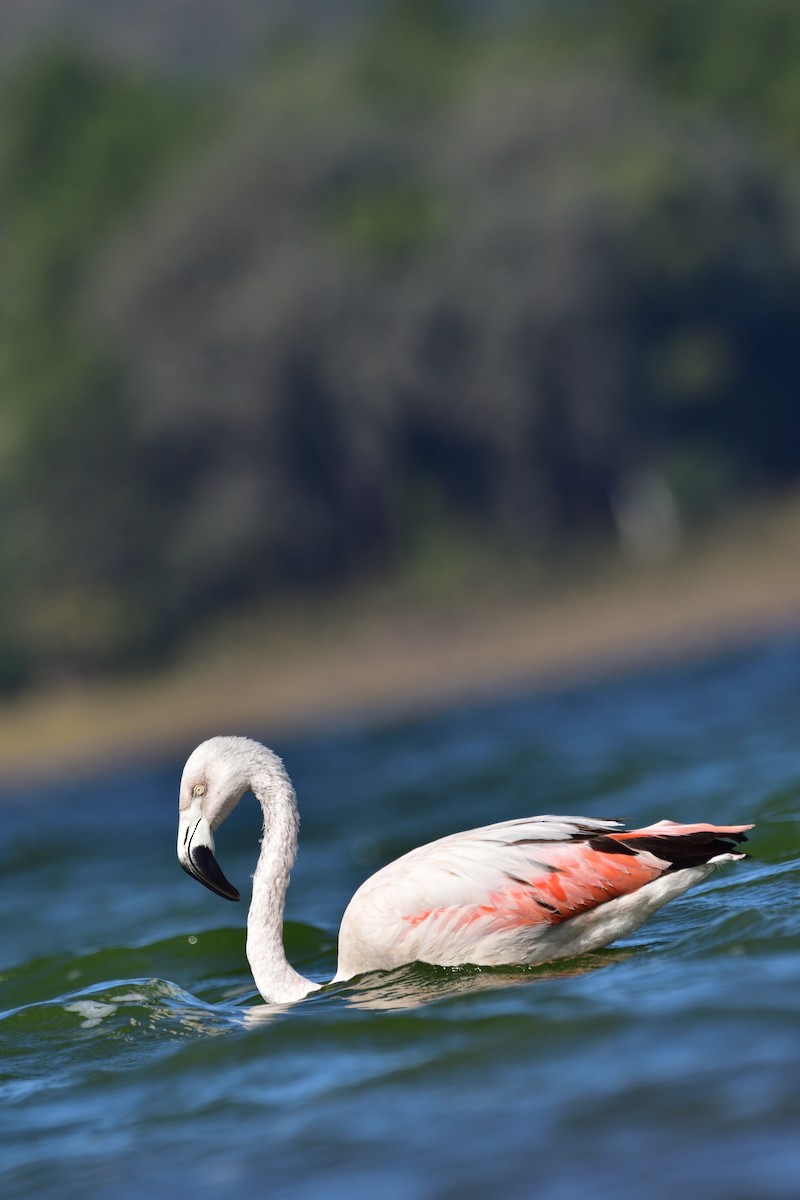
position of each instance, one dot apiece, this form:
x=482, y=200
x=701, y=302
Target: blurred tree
x=79, y=146
x=429, y=288
x=491, y=323
x=738, y=57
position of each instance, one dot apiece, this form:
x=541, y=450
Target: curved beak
x=196, y=854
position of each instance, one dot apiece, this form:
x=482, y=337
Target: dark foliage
x=421, y=284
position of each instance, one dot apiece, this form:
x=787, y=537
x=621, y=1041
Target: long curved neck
x=275, y=978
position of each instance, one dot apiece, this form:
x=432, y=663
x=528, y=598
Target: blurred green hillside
x=433, y=286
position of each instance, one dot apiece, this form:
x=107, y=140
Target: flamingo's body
x=519, y=892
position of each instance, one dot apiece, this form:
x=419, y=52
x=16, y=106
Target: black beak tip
x=206, y=870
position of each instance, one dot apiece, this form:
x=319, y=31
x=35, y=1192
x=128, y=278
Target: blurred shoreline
x=367, y=659
x=496, y=300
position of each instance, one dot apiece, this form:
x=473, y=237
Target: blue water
x=132, y=1063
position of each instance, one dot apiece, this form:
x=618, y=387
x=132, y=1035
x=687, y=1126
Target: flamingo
x=519, y=892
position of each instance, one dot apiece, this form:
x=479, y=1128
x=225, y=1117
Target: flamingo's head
x=216, y=776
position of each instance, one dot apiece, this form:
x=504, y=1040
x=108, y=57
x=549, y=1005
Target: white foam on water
x=92, y=1010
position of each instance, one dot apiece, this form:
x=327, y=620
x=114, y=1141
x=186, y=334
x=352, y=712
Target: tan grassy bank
x=374, y=656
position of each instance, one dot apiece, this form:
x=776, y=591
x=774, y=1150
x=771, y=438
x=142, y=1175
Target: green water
x=134, y=1060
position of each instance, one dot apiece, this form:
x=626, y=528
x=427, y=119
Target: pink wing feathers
x=545, y=881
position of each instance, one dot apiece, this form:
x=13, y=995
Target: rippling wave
x=137, y=1056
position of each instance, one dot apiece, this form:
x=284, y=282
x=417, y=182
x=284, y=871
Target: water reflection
x=416, y=985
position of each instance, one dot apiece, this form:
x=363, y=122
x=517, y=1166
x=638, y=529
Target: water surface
x=137, y=1058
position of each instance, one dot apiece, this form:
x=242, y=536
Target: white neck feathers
x=275, y=978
